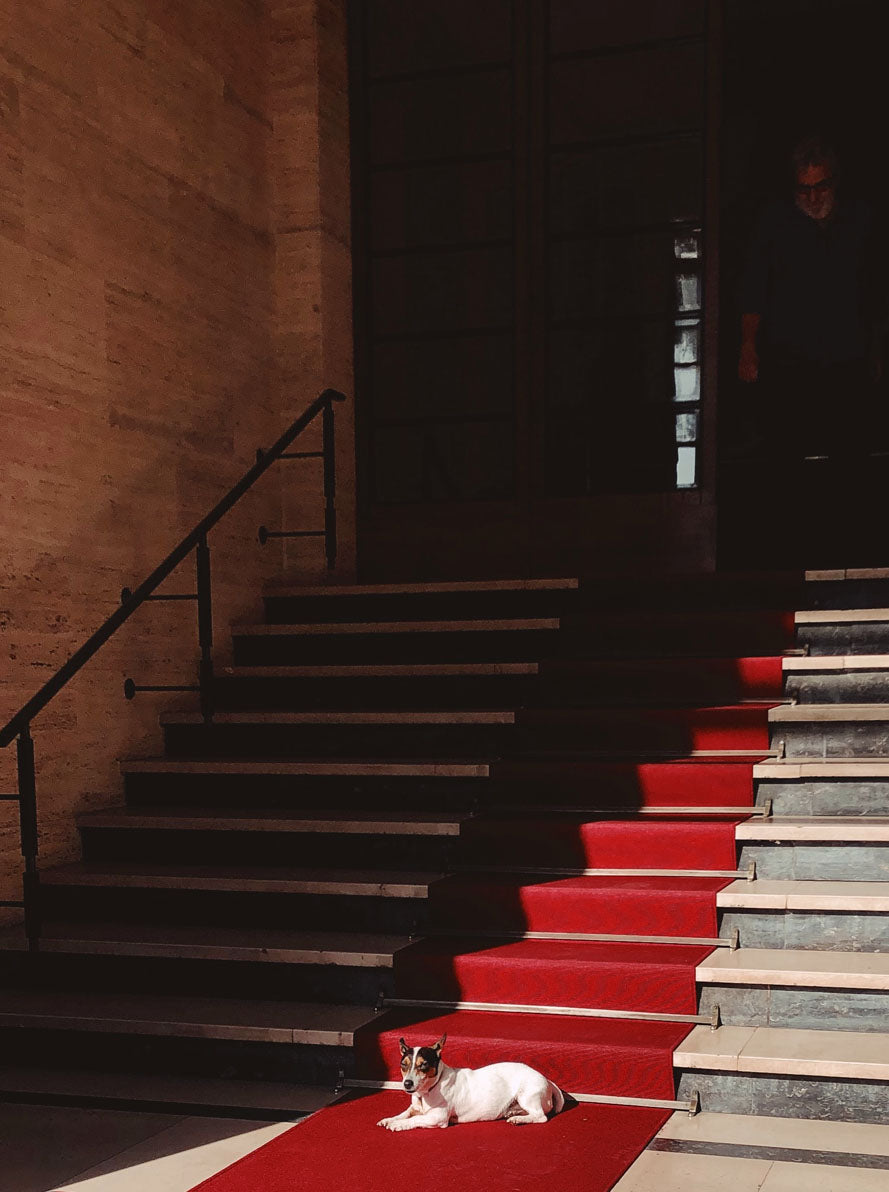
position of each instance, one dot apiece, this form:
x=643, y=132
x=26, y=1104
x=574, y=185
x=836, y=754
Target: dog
x=441, y=1095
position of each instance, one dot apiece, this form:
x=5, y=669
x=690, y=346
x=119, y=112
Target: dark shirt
x=813, y=285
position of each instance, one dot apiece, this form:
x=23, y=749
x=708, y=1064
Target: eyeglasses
x=817, y=188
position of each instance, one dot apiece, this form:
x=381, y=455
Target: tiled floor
x=45, y=1149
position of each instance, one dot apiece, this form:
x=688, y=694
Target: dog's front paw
x=393, y=1123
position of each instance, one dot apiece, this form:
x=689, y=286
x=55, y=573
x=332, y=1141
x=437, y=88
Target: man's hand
x=748, y=364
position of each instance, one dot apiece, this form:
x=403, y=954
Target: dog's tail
x=558, y=1098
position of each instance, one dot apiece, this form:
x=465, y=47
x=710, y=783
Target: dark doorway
x=793, y=68
x=532, y=234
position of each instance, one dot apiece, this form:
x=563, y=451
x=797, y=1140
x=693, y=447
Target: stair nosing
x=435, y=587
x=795, y=968
x=196, y=819
x=346, y=717
x=836, y=1054
x=329, y=883
x=841, y=896
x=383, y=670
x=355, y=628
x=857, y=828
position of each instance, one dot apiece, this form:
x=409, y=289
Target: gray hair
x=814, y=151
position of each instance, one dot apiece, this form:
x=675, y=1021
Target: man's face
x=815, y=192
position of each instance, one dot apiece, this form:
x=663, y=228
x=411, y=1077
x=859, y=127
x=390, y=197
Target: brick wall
x=142, y=357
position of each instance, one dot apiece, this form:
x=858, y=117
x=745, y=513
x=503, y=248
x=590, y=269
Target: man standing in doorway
x=812, y=327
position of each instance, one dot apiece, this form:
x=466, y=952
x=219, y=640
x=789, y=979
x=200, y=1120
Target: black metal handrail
x=19, y=727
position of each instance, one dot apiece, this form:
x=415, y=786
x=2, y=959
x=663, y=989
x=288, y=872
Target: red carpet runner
x=588, y=1147
x=585, y=1149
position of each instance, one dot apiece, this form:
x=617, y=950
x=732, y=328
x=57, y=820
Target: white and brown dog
x=441, y=1095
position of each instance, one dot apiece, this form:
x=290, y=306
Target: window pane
x=686, y=461
x=688, y=291
x=687, y=383
x=687, y=344
x=688, y=246
x=686, y=428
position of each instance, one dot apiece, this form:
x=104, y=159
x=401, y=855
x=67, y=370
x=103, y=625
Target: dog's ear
x=405, y=1050
x=440, y=1044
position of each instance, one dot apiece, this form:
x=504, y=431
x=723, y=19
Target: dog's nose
x=408, y=1084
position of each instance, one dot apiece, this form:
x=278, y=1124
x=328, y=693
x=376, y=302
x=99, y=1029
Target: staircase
x=521, y=813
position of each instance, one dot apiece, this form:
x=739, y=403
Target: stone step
x=258, y=945
x=843, y=631
x=381, y=901
x=837, y=678
x=271, y=837
x=550, y=683
x=822, y=915
x=755, y=1153
x=831, y=730
x=183, y=1017
x=816, y=848
x=805, y=896
x=481, y=639
x=243, y=819
x=473, y=733
x=370, y=783
x=823, y=829
x=243, y=880
x=822, y=1073
x=806, y=786
x=342, y=733
x=179, y=1094
x=419, y=601
x=796, y=967
x=282, y=588
x=380, y=685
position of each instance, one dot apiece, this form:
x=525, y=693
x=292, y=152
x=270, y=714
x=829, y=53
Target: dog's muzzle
x=409, y=1086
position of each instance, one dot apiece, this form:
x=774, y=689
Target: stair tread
x=741, y=1129
x=391, y=883
x=816, y=713
x=787, y=1051
x=840, y=616
x=443, y=767
x=267, y=943
x=797, y=966
x=381, y=670
x=348, y=628
x=274, y=1021
x=162, y=1089
x=335, y=716
x=837, y=662
x=815, y=828
x=410, y=823
x=789, y=769
x=423, y=587
x=806, y=895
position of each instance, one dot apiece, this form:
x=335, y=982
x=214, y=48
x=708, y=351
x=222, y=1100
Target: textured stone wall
x=308, y=101
x=142, y=359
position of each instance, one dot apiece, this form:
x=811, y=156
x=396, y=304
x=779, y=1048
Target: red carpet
x=341, y=1149
x=648, y=977
x=685, y=782
x=602, y=905
x=602, y=844
x=587, y=1148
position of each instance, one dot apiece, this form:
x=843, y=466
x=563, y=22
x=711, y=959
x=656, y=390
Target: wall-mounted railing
x=18, y=729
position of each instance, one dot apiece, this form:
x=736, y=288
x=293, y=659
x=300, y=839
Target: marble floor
x=47, y=1149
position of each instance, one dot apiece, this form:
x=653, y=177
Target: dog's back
x=505, y=1090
